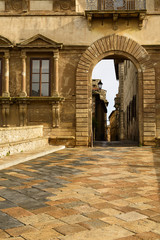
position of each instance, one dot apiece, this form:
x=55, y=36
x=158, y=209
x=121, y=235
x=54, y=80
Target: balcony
x=116, y=9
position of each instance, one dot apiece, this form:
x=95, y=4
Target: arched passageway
x=115, y=45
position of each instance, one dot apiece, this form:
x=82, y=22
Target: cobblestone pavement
x=103, y=193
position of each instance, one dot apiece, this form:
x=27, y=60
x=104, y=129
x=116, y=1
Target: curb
x=30, y=157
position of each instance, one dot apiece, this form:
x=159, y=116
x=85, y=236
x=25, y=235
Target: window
x=40, y=77
x=0, y=77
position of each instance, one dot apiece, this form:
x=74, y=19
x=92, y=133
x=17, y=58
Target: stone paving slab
x=110, y=193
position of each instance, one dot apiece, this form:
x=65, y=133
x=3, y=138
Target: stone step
x=22, y=157
x=68, y=141
x=22, y=146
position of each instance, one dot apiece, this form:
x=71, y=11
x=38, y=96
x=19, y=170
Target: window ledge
x=27, y=99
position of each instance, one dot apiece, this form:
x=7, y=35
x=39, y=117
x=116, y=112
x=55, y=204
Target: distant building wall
x=114, y=122
x=130, y=100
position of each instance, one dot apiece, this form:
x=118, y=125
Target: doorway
x=114, y=46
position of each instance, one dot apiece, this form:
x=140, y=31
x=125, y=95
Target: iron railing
x=115, y=5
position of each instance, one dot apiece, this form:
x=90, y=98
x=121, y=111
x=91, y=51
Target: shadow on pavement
x=115, y=144
x=156, y=160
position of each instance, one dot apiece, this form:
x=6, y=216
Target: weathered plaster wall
x=73, y=30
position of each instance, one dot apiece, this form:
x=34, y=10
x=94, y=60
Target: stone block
x=149, y=115
x=149, y=82
x=82, y=120
x=84, y=96
x=149, y=138
x=98, y=47
x=149, y=133
x=149, y=100
x=81, y=100
x=91, y=50
x=88, y=56
x=82, y=134
x=37, y=5
x=85, y=139
x=102, y=45
x=149, y=87
x=85, y=115
x=82, y=110
x=16, y=134
x=82, y=106
x=82, y=87
x=81, y=143
x=149, y=124
x=149, y=119
x=148, y=96
x=149, y=143
x=152, y=129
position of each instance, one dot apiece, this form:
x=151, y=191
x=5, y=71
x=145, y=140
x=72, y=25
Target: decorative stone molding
x=5, y=43
x=156, y=5
x=40, y=41
x=16, y=5
x=64, y=5
x=22, y=112
x=5, y=102
x=55, y=114
x=124, y=47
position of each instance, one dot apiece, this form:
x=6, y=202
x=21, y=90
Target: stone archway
x=125, y=47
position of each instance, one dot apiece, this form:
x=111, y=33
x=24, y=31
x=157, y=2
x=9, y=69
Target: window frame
x=1, y=74
x=40, y=74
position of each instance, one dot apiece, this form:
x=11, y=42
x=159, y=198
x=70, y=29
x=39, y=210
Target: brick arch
x=123, y=46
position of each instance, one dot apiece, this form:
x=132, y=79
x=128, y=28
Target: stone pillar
x=55, y=115
x=6, y=76
x=55, y=91
x=5, y=113
x=22, y=114
x=23, y=83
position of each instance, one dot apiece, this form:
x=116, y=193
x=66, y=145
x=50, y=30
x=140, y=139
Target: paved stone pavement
x=100, y=193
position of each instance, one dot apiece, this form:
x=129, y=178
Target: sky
x=105, y=71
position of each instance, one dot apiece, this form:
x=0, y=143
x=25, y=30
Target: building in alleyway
x=114, y=119
x=124, y=121
x=114, y=135
x=130, y=100
x=99, y=112
x=48, y=49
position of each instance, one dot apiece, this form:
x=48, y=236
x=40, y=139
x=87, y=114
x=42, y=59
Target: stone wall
x=17, y=134
x=63, y=35
x=130, y=101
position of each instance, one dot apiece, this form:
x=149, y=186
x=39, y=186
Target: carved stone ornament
x=64, y=5
x=16, y=5
x=157, y=5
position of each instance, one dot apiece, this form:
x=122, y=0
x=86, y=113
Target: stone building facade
x=48, y=49
x=113, y=127
x=124, y=120
x=99, y=112
x=130, y=101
